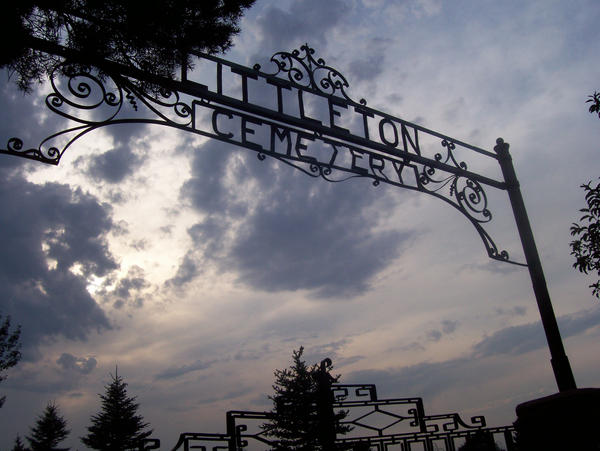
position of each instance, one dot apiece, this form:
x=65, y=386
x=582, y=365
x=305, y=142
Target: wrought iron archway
x=343, y=139
x=375, y=423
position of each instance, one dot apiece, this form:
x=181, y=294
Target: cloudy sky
x=197, y=268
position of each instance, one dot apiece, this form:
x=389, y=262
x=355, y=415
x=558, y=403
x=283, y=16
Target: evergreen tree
x=154, y=36
x=117, y=427
x=49, y=430
x=18, y=445
x=480, y=441
x=9, y=349
x=300, y=419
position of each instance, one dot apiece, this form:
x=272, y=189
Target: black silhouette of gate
x=383, y=148
x=395, y=424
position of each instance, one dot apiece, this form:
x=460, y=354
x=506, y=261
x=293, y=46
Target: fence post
x=231, y=433
x=324, y=399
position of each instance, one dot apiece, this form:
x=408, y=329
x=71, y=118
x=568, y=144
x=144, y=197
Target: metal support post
x=326, y=429
x=232, y=441
x=560, y=362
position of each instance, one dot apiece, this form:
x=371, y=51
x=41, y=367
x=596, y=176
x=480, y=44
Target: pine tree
x=9, y=349
x=155, y=36
x=117, y=427
x=49, y=430
x=300, y=421
x=18, y=445
x=480, y=441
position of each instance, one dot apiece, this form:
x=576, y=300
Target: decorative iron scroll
x=382, y=148
x=303, y=69
x=378, y=424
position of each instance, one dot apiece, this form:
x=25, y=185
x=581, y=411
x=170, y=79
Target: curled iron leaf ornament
x=304, y=70
x=383, y=148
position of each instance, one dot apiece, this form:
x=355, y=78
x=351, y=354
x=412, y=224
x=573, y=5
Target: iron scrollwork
x=92, y=99
x=372, y=418
x=465, y=194
x=95, y=100
x=303, y=69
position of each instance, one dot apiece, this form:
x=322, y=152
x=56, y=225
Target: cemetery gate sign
x=302, y=115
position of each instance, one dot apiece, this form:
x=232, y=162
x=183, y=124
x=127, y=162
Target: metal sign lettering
x=303, y=117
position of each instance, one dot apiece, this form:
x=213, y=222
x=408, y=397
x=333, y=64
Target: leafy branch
x=586, y=247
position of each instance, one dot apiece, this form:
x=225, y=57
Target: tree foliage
x=480, y=441
x=586, y=247
x=18, y=446
x=152, y=35
x=594, y=99
x=117, y=427
x=298, y=418
x=50, y=429
x=9, y=349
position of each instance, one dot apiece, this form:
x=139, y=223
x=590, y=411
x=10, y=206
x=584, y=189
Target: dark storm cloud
x=208, y=236
x=278, y=229
x=206, y=189
x=78, y=364
x=114, y=165
x=302, y=234
x=512, y=340
x=187, y=271
x=527, y=337
x=49, y=230
x=366, y=68
x=306, y=21
x=133, y=282
x=319, y=243
x=371, y=64
x=128, y=290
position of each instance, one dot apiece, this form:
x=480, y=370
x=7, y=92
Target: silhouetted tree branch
x=480, y=441
x=18, y=446
x=594, y=99
x=586, y=247
x=9, y=349
x=154, y=36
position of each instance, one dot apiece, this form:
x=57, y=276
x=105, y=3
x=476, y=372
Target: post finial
x=501, y=147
